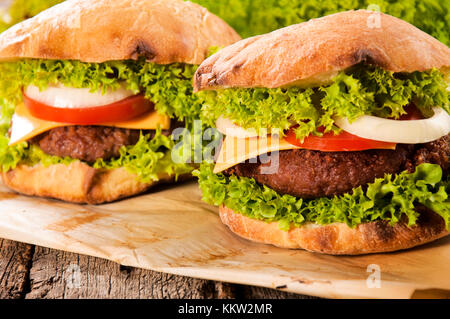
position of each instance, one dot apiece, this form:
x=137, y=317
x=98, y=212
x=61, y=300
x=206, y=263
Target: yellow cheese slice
x=26, y=126
x=237, y=150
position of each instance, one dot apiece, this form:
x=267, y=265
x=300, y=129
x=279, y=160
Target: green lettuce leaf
x=389, y=198
x=148, y=158
x=361, y=90
x=249, y=17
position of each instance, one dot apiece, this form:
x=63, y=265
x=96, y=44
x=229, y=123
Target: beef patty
x=312, y=174
x=436, y=152
x=89, y=143
x=86, y=143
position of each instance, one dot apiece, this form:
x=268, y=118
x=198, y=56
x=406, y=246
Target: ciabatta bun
x=163, y=31
x=78, y=182
x=338, y=238
x=312, y=52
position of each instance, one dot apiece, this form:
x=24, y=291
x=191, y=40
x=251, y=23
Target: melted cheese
x=237, y=150
x=26, y=126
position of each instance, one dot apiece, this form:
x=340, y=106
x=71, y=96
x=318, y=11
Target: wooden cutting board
x=171, y=230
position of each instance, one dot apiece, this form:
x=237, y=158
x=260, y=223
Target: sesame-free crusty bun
x=163, y=31
x=78, y=182
x=338, y=238
x=314, y=51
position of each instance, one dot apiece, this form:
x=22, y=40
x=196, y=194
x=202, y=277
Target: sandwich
x=336, y=135
x=91, y=92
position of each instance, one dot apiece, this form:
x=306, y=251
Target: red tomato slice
x=343, y=142
x=123, y=110
x=348, y=142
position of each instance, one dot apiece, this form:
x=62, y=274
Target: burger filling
x=107, y=115
x=391, y=167
x=314, y=174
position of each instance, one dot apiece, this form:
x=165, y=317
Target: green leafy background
x=23, y=9
x=253, y=17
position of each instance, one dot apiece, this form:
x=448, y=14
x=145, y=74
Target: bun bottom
x=338, y=238
x=78, y=182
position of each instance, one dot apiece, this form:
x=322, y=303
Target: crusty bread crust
x=314, y=51
x=77, y=182
x=163, y=31
x=338, y=238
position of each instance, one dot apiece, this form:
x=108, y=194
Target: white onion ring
x=65, y=97
x=394, y=131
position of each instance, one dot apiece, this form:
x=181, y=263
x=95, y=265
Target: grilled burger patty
x=88, y=143
x=313, y=174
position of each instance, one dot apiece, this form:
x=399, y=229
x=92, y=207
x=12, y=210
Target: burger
x=336, y=135
x=91, y=92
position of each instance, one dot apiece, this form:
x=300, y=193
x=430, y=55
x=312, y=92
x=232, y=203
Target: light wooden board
x=171, y=230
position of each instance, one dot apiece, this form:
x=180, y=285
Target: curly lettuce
x=148, y=158
x=249, y=17
x=361, y=90
x=390, y=198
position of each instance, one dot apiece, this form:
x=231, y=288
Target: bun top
x=314, y=51
x=163, y=31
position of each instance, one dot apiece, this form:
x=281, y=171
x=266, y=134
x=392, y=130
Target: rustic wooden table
x=28, y=271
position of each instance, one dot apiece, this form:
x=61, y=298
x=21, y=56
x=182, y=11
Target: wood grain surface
x=30, y=272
